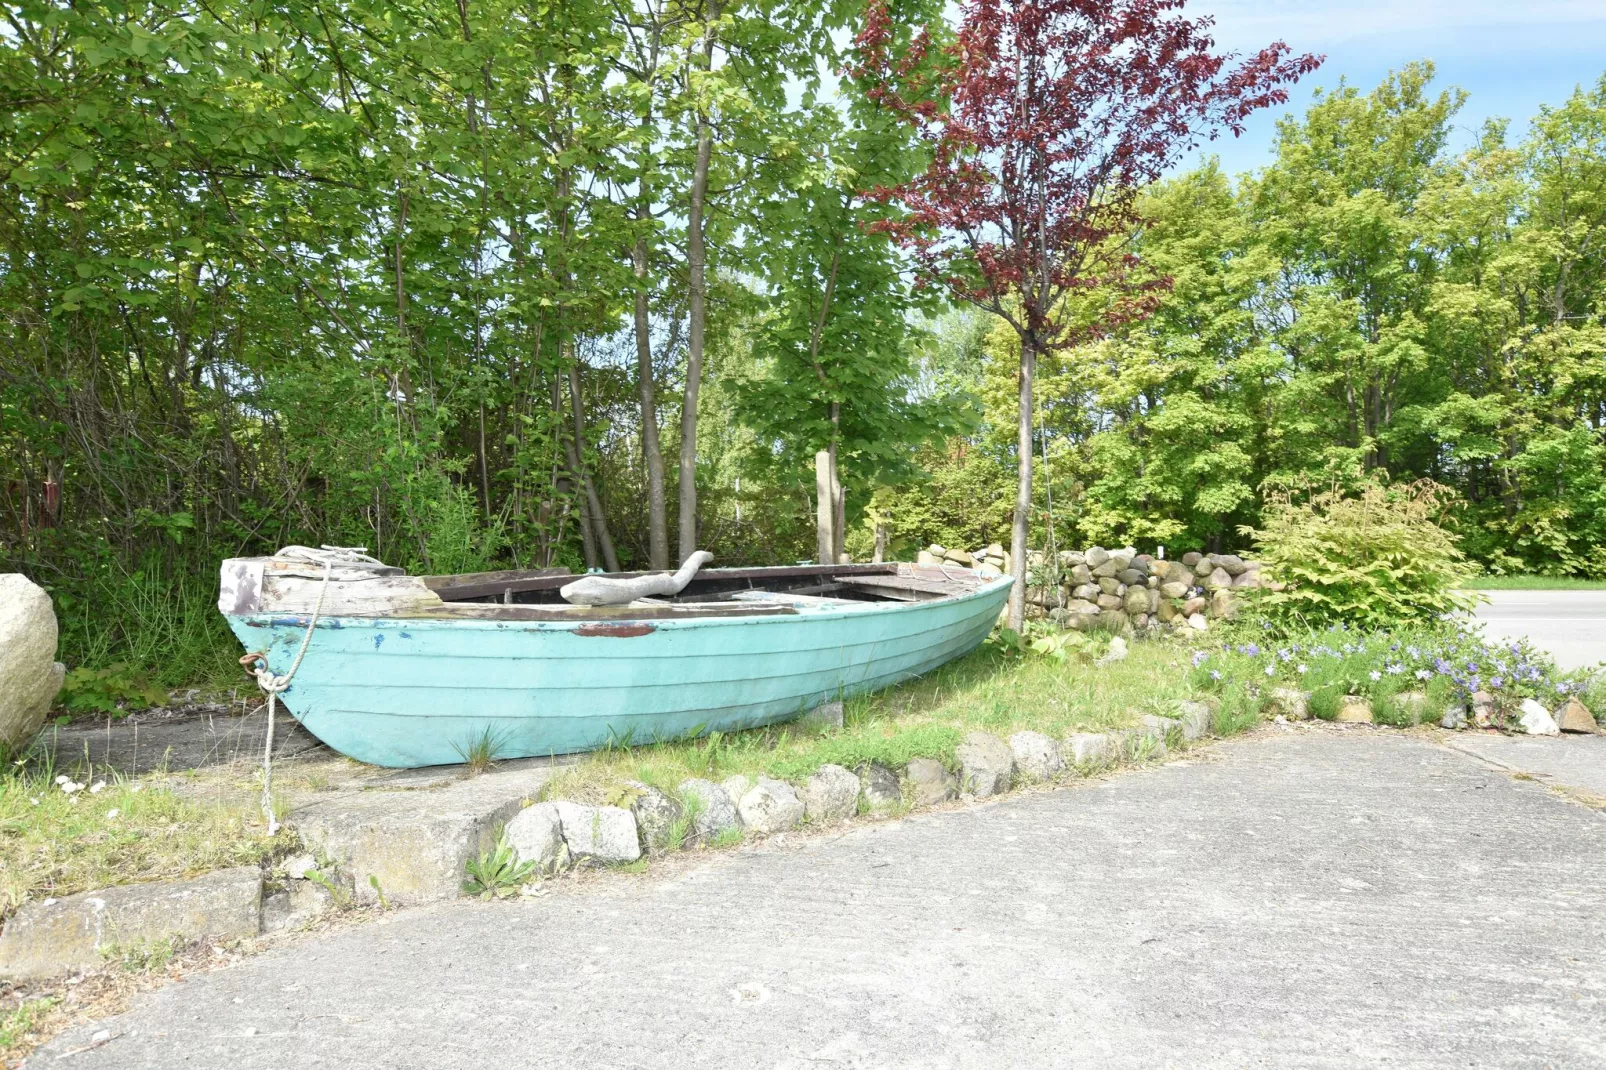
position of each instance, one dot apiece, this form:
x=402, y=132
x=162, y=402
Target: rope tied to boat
x=352, y=562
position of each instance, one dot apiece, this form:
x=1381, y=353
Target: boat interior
x=795, y=586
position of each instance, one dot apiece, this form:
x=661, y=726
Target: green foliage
x=497, y=873
x=336, y=293
x=1368, y=303
x=116, y=689
x=1373, y=558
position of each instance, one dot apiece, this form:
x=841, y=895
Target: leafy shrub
x=115, y=689
x=1373, y=559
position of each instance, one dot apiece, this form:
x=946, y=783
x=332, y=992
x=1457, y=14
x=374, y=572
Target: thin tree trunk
x=651, y=453
x=588, y=544
x=838, y=505
x=824, y=513
x=1023, y=487
x=697, y=300
x=829, y=493
x=577, y=461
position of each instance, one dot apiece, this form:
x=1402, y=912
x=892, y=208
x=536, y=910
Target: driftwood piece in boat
x=614, y=591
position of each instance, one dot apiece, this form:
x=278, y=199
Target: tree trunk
x=824, y=510
x=651, y=453
x=588, y=544
x=577, y=460
x=697, y=302
x=838, y=505
x=1023, y=487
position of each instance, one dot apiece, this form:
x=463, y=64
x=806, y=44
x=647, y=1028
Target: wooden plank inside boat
x=905, y=588
x=471, y=587
x=564, y=612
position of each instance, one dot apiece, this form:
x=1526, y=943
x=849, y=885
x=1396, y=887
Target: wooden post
x=824, y=509
x=880, y=544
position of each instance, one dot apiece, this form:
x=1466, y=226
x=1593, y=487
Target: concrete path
x=1564, y=761
x=1306, y=897
x=1571, y=625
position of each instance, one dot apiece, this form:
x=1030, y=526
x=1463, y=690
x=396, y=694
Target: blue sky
x=1511, y=57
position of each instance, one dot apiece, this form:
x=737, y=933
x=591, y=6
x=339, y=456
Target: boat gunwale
x=608, y=620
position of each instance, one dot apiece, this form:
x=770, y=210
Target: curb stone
x=54, y=937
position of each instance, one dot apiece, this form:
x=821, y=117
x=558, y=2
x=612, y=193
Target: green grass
x=19, y=1021
x=1522, y=582
x=992, y=690
x=55, y=843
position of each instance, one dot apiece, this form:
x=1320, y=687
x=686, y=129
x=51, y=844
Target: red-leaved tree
x=1045, y=120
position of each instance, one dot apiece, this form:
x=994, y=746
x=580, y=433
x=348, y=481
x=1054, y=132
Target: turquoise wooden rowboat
x=413, y=671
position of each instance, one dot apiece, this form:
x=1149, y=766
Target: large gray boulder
x=930, y=782
x=536, y=834
x=771, y=806
x=1089, y=750
x=879, y=788
x=713, y=811
x=30, y=675
x=830, y=795
x=54, y=937
x=986, y=765
x=605, y=834
x=656, y=816
x=1036, y=756
x=1196, y=719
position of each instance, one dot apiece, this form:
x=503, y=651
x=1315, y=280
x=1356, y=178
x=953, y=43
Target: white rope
x=352, y=563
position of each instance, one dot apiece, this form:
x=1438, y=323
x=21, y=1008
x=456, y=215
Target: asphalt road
x=1305, y=897
x=1571, y=625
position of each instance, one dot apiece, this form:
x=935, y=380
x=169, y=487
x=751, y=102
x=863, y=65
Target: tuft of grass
x=480, y=753
x=54, y=842
x=17, y=1023
x=996, y=689
x=1530, y=582
x=148, y=956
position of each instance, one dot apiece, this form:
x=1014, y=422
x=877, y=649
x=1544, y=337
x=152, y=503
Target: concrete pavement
x=1571, y=625
x=1304, y=897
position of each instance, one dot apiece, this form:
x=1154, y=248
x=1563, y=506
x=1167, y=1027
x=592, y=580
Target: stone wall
x=1120, y=590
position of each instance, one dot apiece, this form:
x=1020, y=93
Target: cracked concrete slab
x=1301, y=898
x=1566, y=761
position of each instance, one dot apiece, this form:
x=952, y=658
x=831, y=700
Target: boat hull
x=416, y=692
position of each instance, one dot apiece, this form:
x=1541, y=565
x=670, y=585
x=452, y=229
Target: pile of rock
x=991, y=561
x=1118, y=590
x=1122, y=589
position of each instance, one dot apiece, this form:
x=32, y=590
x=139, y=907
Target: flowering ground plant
x=1437, y=666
